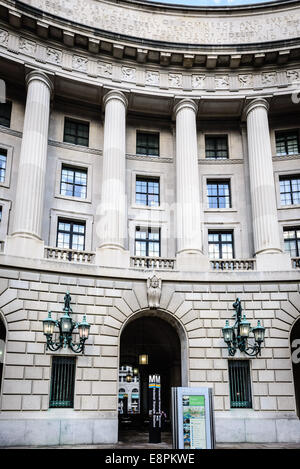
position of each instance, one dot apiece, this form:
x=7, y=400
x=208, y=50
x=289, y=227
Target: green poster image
x=194, y=429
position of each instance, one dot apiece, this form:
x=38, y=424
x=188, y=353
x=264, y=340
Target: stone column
x=188, y=209
x=26, y=238
x=112, y=228
x=267, y=245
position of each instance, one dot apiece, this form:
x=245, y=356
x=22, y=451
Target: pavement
x=140, y=440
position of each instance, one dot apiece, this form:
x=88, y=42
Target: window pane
x=147, y=143
x=76, y=132
x=216, y=147
x=3, y=159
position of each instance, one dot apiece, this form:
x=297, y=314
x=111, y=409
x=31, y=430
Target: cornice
x=127, y=44
x=56, y=59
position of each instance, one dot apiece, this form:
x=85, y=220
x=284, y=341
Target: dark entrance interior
x=295, y=349
x=156, y=338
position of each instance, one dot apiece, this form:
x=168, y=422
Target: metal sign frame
x=202, y=430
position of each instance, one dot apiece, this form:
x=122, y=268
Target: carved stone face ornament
x=153, y=291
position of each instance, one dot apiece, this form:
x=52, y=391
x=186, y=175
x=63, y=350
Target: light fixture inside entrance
x=128, y=378
x=143, y=359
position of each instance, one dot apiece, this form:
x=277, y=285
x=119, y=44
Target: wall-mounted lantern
x=237, y=336
x=66, y=326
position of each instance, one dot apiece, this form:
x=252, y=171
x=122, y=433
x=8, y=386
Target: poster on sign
x=192, y=418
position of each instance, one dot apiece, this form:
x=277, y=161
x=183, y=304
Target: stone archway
x=295, y=353
x=160, y=336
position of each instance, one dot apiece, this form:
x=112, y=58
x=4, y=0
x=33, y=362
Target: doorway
x=157, y=340
x=295, y=351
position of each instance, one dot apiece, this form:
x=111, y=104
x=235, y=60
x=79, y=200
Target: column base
x=273, y=262
x=24, y=246
x=192, y=261
x=112, y=257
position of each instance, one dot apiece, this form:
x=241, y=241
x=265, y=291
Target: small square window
x=5, y=113
x=220, y=245
x=147, y=143
x=76, y=132
x=289, y=190
x=216, y=147
x=287, y=143
x=70, y=235
x=218, y=194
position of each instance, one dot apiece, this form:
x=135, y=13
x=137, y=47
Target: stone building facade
x=141, y=140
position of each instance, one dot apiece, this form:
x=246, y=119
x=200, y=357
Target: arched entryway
x=161, y=339
x=2, y=349
x=295, y=350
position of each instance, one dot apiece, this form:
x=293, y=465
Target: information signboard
x=154, y=409
x=192, y=419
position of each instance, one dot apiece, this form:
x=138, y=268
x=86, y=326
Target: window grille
x=62, y=382
x=239, y=383
x=216, y=147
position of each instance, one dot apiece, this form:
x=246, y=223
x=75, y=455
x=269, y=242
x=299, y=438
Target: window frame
x=71, y=232
x=9, y=103
x=220, y=244
x=74, y=169
x=219, y=182
x=148, y=134
x=215, y=138
x=76, y=123
x=285, y=134
x=234, y=386
x=147, y=193
x=70, y=389
x=147, y=241
x=292, y=229
x=289, y=178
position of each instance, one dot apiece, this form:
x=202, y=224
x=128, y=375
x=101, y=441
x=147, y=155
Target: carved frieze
x=152, y=78
x=54, y=56
x=246, y=81
x=198, y=82
x=104, y=70
x=27, y=47
x=3, y=37
x=222, y=82
x=80, y=63
x=175, y=80
x=129, y=74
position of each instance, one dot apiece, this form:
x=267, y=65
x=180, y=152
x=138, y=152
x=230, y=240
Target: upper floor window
x=147, y=191
x=147, y=143
x=220, y=245
x=287, y=143
x=5, y=113
x=76, y=132
x=216, y=147
x=147, y=242
x=291, y=238
x=218, y=194
x=290, y=190
x=3, y=162
x=73, y=182
x=70, y=235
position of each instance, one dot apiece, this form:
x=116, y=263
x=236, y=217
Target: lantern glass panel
x=66, y=323
x=143, y=359
x=259, y=333
x=244, y=328
x=48, y=325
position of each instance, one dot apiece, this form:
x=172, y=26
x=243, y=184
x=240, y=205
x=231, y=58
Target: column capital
x=256, y=103
x=185, y=103
x=117, y=95
x=40, y=76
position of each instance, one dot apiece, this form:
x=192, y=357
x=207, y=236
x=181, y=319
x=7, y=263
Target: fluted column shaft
x=33, y=157
x=188, y=220
x=263, y=198
x=113, y=220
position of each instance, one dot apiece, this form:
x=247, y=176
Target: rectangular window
x=216, y=147
x=218, y=194
x=220, y=245
x=147, y=143
x=290, y=190
x=62, y=382
x=73, y=182
x=240, y=384
x=287, y=143
x=3, y=162
x=147, y=242
x=70, y=235
x=291, y=237
x=76, y=132
x=147, y=191
x=5, y=113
